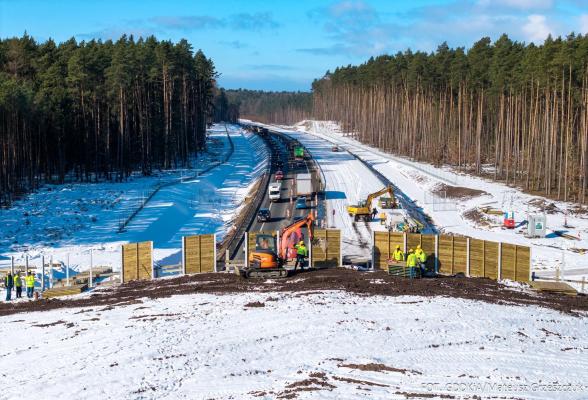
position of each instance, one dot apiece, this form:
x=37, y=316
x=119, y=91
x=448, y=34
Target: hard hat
x=397, y=247
x=411, y=251
x=418, y=246
x=301, y=242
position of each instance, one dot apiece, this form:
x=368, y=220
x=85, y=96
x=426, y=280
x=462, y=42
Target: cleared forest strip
x=160, y=186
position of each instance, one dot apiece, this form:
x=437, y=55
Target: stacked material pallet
x=404, y=271
x=554, y=287
x=64, y=291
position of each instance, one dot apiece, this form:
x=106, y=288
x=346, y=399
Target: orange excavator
x=270, y=255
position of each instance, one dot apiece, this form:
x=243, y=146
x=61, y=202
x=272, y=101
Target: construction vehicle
x=270, y=254
x=363, y=210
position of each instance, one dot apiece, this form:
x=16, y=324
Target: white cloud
x=520, y=4
x=536, y=28
x=584, y=24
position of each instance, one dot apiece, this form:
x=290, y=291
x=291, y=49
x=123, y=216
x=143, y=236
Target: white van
x=274, y=191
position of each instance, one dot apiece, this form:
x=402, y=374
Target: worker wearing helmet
x=301, y=254
x=421, y=258
x=411, y=262
x=398, y=254
x=30, y=284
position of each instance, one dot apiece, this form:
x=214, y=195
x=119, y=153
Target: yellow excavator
x=269, y=256
x=363, y=210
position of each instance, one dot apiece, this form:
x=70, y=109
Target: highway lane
x=281, y=209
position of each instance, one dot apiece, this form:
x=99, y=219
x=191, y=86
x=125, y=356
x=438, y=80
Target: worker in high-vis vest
x=18, y=285
x=421, y=259
x=30, y=283
x=398, y=254
x=411, y=262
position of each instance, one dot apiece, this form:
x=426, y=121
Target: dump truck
x=304, y=185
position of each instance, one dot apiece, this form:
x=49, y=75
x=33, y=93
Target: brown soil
x=476, y=216
x=456, y=192
x=359, y=283
x=359, y=382
x=549, y=208
x=378, y=368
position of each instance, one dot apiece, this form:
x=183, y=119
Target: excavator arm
x=372, y=196
x=286, y=233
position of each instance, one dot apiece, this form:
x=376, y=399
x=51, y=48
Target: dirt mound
x=476, y=216
x=359, y=283
x=456, y=192
x=545, y=206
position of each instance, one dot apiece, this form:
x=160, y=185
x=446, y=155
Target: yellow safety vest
x=17, y=281
x=30, y=281
x=411, y=260
x=398, y=255
x=421, y=255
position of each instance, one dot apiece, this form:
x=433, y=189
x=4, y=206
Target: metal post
x=583, y=283
x=43, y=273
x=436, y=254
x=183, y=255
x=90, y=283
x=51, y=272
x=557, y=274
x=214, y=244
x=67, y=271
x=499, y=272
x=12, y=265
x=27, y=263
x=468, y=257
x=246, y=248
x=122, y=264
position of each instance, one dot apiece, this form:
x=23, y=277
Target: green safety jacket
x=301, y=250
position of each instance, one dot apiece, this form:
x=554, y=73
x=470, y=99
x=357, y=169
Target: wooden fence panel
x=326, y=248
x=137, y=261
x=129, y=262
x=460, y=255
x=413, y=240
x=199, y=254
x=428, y=246
x=491, y=260
x=381, y=250
x=523, y=263
x=476, y=257
x=508, y=261
x=445, y=256
x=145, y=252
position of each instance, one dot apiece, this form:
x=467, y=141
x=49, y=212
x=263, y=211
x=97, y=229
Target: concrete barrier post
x=468, y=257
x=90, y=283
x=67, y=271
x=42, y=273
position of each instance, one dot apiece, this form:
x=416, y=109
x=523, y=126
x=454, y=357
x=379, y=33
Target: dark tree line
x=517, y=111
x=224, y=110
x=99, y=110
x=271, y=107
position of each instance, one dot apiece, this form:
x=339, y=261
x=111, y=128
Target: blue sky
x=285, y=44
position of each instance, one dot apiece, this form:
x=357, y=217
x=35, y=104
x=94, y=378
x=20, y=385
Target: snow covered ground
x=329, y=345
x=420, y=181
x=70, y=220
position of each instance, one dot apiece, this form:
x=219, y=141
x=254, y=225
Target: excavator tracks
x=264, y=274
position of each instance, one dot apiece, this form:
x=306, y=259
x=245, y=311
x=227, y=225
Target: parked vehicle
x=335, y=148
x=279, y=175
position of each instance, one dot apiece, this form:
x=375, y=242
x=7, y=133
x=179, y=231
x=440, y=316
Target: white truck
x=274, y=191
x=304, y=185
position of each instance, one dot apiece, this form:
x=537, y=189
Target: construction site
x=334, y=200
x=321, y=234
